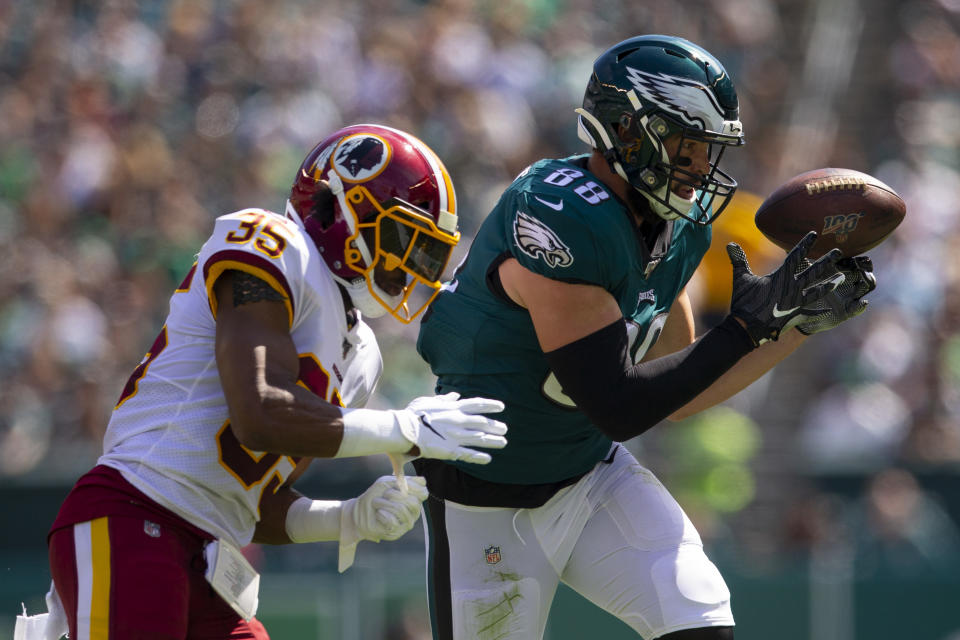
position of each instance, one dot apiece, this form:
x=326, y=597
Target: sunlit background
x=828, y=493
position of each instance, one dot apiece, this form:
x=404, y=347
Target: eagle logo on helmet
x=537, y=240
x=361, y=157
x=692, y=101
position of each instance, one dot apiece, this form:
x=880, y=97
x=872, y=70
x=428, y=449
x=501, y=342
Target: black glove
x=844, y=302
x=772, y=303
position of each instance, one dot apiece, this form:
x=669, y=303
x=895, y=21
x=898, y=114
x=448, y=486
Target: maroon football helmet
x=392, y=207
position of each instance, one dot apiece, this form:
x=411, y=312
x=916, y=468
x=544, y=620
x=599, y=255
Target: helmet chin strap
x=363, y=299
x=292, y=213
x=659, y=203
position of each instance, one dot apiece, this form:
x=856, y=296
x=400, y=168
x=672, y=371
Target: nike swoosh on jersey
x=778, y=313
x=556, y=206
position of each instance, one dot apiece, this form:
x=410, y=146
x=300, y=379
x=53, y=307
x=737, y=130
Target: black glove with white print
x=845, y=301
x=773, y=303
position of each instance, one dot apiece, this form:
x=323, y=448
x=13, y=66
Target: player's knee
x=691, y=591
x=695, y=580
x=508, y=611
x=703, y=633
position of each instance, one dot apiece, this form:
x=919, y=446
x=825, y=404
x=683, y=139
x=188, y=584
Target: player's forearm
x=293, y=421
x=625, y=400
x=288, y=517
x=270, y=411
x=289, y=421
x=741, y=375
x=271, y=528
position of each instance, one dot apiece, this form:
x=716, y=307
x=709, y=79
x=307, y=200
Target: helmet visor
x=412, y=240
x=400, y=248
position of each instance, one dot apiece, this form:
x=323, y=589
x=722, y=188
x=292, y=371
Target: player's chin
x=390, y=281
x=393, y=285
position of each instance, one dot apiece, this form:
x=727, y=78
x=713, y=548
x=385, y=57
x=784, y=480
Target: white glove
x=382, y=512
x=442, y=427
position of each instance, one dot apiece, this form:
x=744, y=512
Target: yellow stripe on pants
x=92, y=549
x=100, y=600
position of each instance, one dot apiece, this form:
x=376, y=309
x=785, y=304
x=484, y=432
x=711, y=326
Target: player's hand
x=383, y=511
x=770, y=304
x=445, y=427
x=845, y=301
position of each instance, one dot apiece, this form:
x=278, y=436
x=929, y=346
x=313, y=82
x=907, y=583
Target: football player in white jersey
x=263, y=363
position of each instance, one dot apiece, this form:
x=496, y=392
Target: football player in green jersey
x=571, y=309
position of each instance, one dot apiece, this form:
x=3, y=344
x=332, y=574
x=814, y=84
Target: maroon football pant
x=126, y=577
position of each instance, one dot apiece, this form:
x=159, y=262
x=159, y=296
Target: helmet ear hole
x=323, y=203
x=624, y=128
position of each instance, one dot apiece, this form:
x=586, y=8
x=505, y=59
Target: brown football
x=849, y=210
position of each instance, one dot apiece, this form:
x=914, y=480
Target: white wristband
x=368, y=431
x=313, y=520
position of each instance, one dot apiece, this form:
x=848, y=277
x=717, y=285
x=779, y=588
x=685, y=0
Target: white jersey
x=170, y=435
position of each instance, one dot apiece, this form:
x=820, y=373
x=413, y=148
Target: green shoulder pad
x=566, y=226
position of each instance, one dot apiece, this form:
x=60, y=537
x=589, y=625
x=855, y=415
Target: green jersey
x=558, y=220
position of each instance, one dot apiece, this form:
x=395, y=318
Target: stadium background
x=827, y=493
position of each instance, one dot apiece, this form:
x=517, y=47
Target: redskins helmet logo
x=360, y=157
x=537, y=240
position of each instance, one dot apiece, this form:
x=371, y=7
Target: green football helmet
x=647, y=89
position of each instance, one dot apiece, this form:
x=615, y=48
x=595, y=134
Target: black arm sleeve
x=624, y=400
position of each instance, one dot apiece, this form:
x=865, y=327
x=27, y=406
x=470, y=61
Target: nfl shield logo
x=493, y=554
x=152, y=529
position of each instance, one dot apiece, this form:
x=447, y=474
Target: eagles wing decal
x=537, y=240
x=692, y=101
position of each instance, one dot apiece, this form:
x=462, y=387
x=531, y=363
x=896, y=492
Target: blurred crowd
x=127, y=127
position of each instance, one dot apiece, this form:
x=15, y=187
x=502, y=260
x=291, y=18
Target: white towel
x=51, y=625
